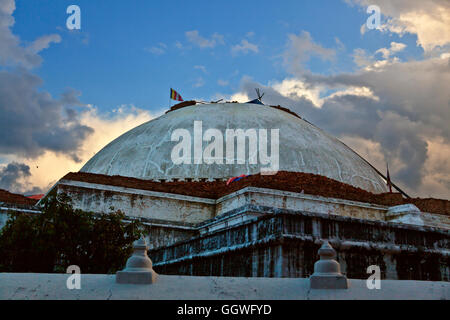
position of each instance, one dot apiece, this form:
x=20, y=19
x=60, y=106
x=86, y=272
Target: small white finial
x=327, y=271
x=139, y=267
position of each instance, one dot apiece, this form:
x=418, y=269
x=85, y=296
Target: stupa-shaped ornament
x=139, y=267
x=327, y=271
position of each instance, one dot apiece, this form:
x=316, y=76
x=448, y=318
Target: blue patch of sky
x=110, y=61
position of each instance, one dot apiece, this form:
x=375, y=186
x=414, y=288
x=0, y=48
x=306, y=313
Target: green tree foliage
x=62, y=236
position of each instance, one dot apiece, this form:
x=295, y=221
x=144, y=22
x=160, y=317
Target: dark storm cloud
x=413, y=106
x=401, y=138
x=410, y=103
x=32, y=121
x=406, y=112
x=13, y=178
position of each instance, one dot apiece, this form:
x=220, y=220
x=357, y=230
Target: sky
x=385, y=92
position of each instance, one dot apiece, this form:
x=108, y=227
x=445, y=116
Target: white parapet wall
x=138, y=203
x=33, y=286
x=299, y=202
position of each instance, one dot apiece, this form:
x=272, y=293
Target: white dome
x=145, y=151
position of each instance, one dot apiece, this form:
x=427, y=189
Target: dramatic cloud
x=395, y=47
x=244, y=47
x=50, y=166
x=298, y=90
x=429, y=20
x=371, y=62
x=42, y=137
x=416, y=90
x=32, y=121
x=401, y=109
x=15, y=178
x=12, y=53
x=195, y=38
x=436, y=182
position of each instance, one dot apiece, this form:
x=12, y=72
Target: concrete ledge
x=275, y=192
x=328, y=282
x=143, y=192
x=32, y=286
x=142, y=277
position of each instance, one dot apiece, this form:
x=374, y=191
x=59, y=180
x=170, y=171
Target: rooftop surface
x=33, y=286
x=287, y=181
x=12, y=198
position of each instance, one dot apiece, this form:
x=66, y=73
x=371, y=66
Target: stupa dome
x=145, y=151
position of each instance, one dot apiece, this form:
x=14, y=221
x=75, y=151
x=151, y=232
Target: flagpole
x=388, y=176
